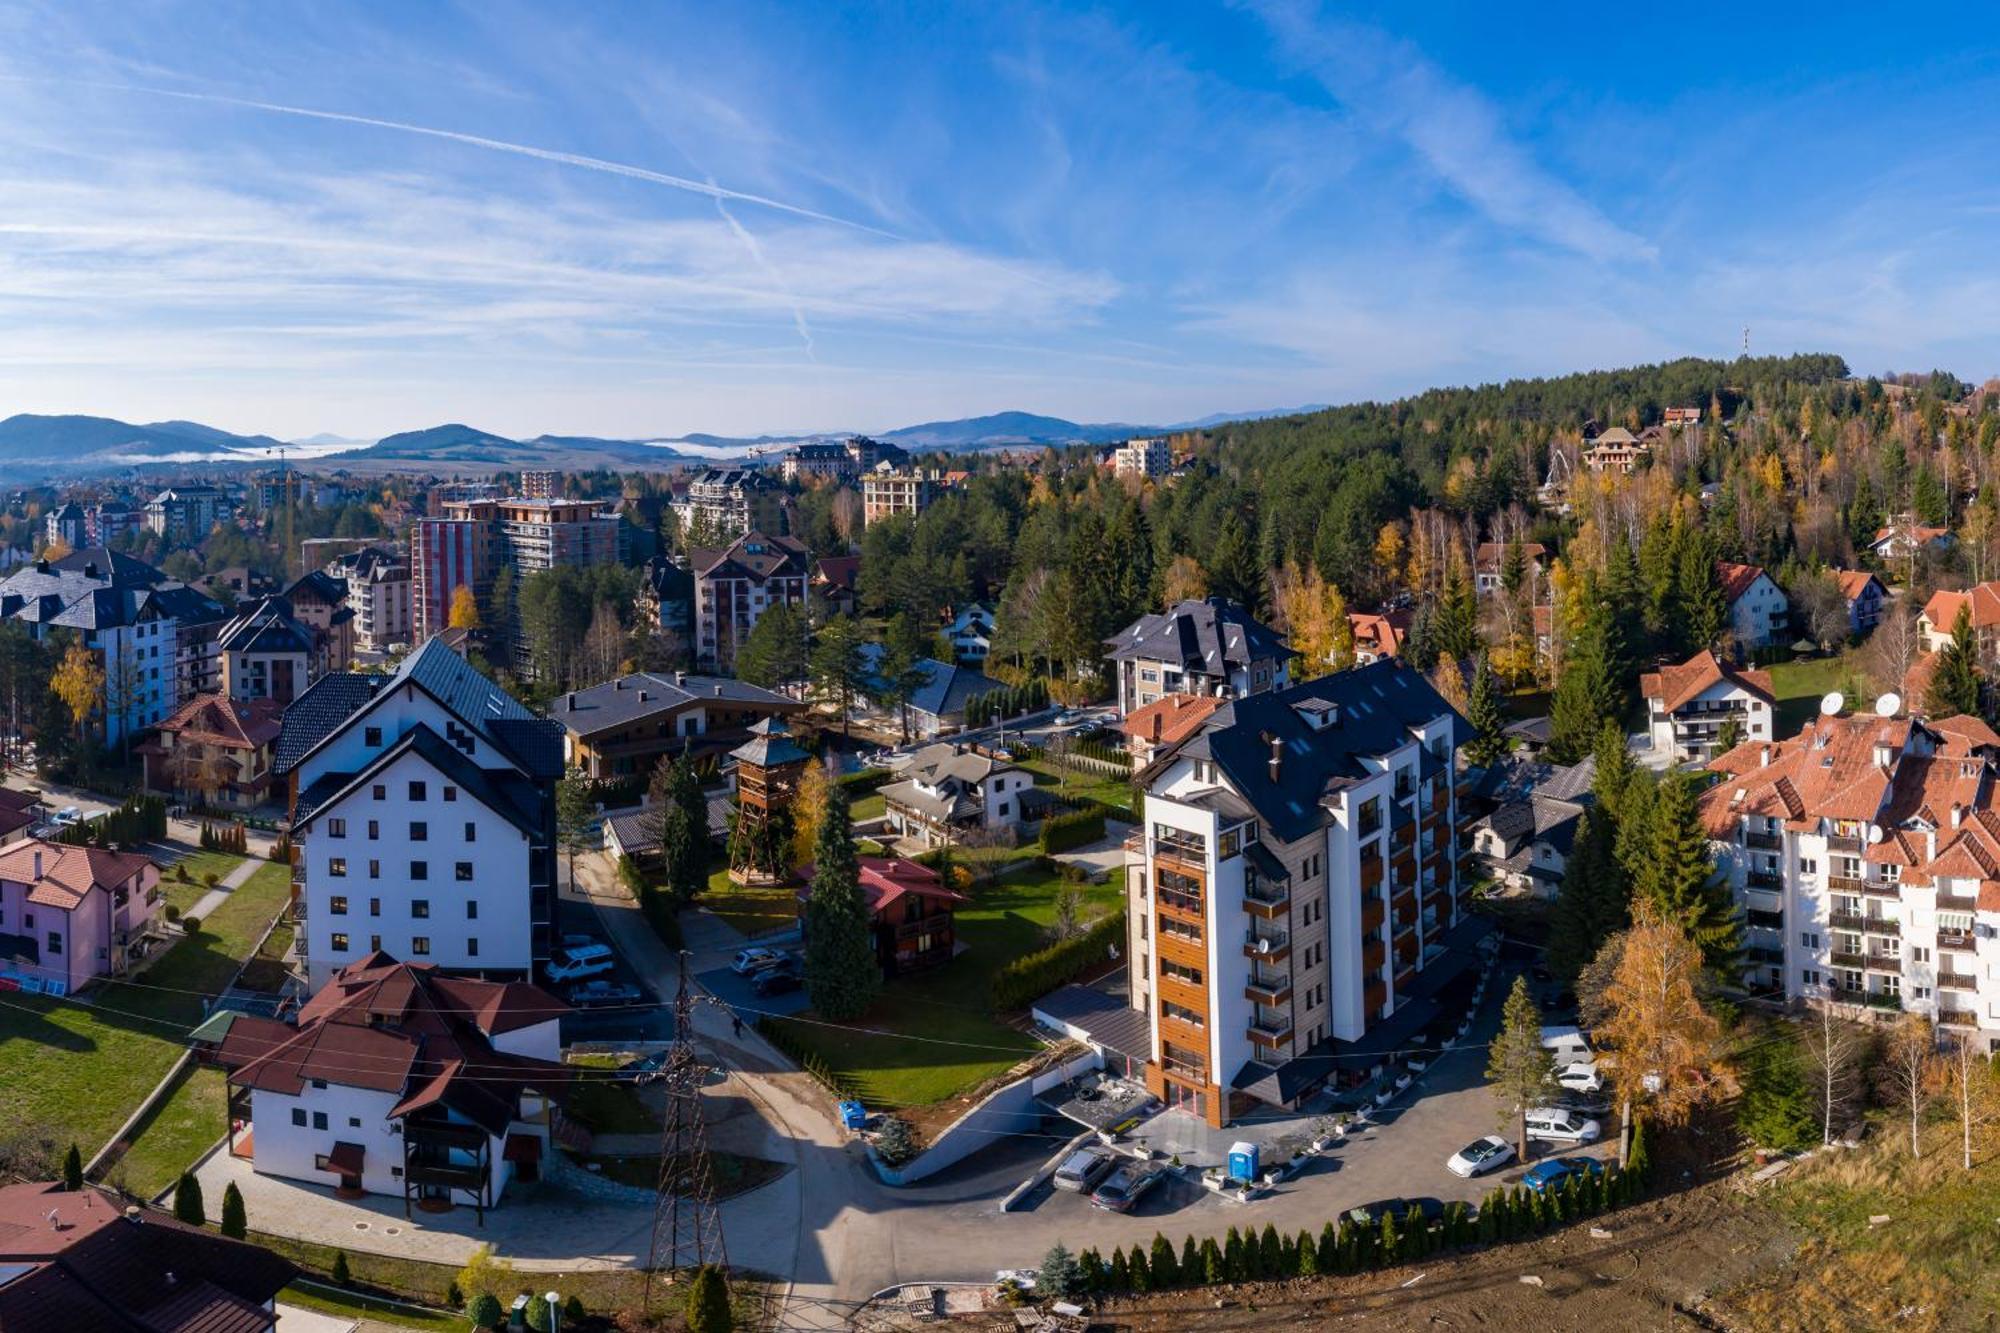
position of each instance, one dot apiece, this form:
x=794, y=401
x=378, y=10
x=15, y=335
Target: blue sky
x=652, y=219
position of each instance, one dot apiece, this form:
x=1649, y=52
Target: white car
x=1480, y=1156
x=754, y=959
x=1559, y=1124
x=1580, y=1078
x=588, y=960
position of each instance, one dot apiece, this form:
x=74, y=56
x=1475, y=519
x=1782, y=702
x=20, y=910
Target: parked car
x=1559, y=1124
x=1567, y=1045
x=1552, y=1172
x=1127, y=1184
x=1580, y=1078
x=590, y=994
x=1084, y=1168
x=579, y=941
x=66, y=816
x=1480, y=1156
x=645, y=1069
x=589, y=960
x=779, y=978
x=1431, y=1210
x=754, y=959
x=1584, y=1103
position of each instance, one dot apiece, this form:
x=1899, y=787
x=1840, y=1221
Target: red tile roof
x=1854, y=582
x=1941, y=611
x=215, y=719
x=68, y=874
x=1171, y=720
x=1736, y=579
x=1675, y=685
x=1827, y=771
x=886, y=880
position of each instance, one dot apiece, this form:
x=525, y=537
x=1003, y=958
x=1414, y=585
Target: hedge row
x=867, y=780
x=655, y=902
x=1007, y=701
x=840, y=1085
x=138, y=819
x=1034, y=975
x=1345, y=1246
x=1072, y=829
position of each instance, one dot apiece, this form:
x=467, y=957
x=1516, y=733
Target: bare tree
x=1969, y=1084
x=1833, y=1053
x=1911, y=1071
x=1894, y=646
x=1818, y=595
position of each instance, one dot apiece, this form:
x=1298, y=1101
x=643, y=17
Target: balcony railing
x=1882, y=925
x=1885, y=962
x=1851, y=960
x=1958, y=1018
x=1767, y=842
x=1841, y=842
x=1174, y=900
x=1266, y=943
x=1960, y=941
x=1761, y=920
x=1957, y=981
x=1188, y=1070
x=1267, y=893
x=1764, y=879
x=1948, y=902
x=1847, y=921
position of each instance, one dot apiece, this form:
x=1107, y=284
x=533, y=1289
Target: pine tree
x=1588, y=694
x=1118, y=1277
x=1954, y=688
x=1489, y=1217
x=1329, y=1248
x=73, y=1169
x=687, y=859
x=341, y=1274
x=1059, y=1275
x=187, y=1201
x=1678, y=876
x=707, y=1309
x=842, y=975
x=1091, y=1274
x=1703, y=611
x=1457, y=625
x=1141, y=1278
x=1517, y=1064
x=1214, y=1267
x=1271, y=1254
x=1482, y=710
x=1388, y=1242
x=1305, y=1255
x=1192, y=1268
x=1593, y=901
x=1639, y=1161
x=234, y=1223
x=1234, y=1264
x=1165, y=1271
x=1622, y=592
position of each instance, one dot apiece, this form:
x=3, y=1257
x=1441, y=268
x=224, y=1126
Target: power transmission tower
x=687, y=1226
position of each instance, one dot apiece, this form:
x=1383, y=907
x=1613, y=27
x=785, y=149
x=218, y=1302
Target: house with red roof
x=1165, y=723
x=1866, y=596
x=72, y=915
x=1489, y=563
x=1377, y=636
x=1904, y=537
x=215, y=750
x=396, y=1078
x=1759, y=612
x=1940, y=614
x=910, y=910
x=1688, y=705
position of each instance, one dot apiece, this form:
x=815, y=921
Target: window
x=420, y=870
x=1809, y=938
x=416, y=791
x=419, y=831
x=1180, y=1013
x=463, y=871
x=420, y=908
x=451, y=793
x=374, y=827
x=337, y=905
x=374, y=907
x=1180, y=972
x=472, y=909
x=336, y=866
x=354, y=1122
x=1808, y=866
x=1810, y=977
x=339, y=942
x=374, y=870
x=472, y=947
x=336, y=828
x=420, y=945
x=374, y=944
x=319, y=1120
x=371, y=735
x=471, y=831
x=55, y=941
x=1005, y=810
x=1919, y=954
x=379, y=792
x=299, y=1116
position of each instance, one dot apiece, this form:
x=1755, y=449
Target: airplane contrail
x=708, y=188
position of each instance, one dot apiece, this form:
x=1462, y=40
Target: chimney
x=41, y=566
x=132, y=1213
x=38, y=864
x=1158, y=725
x=680, y=678
x=718, y=691
x=645, y=697
x=569, y=702
x=1277, y=754
x=1956, y=814
x=90, y=569
x=1763, y=756
x=618, y=684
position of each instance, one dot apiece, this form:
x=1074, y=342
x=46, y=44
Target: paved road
x=841, y=1235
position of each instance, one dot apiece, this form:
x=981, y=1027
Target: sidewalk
x=230, y=883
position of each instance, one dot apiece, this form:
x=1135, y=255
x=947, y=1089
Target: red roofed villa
x=1759, y=612
x=1687, y=705
x=72, y=915
x=910, y=909
x=1165, y=723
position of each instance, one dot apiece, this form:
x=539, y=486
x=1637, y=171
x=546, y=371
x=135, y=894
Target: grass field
x=168, y=1141
x=203, y=964
x=607, y=1107
x=752, y=911
x=1079, y=785
x=1802, y=684
x=941, y=1037
x=870, y=806
x=75, y=1071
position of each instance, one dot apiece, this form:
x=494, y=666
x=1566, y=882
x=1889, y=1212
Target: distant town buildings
x=890, y=492
x=66, y=526
x=470, y=539
x=1142, y=458
x=186, y=514
x=726, y=502
x=268, y=653
x=541, y=485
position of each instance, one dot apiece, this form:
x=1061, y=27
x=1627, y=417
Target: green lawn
x=182, y=896
x=1080, y=785
x=179, y=1130
x=962, y=1044
x=202, y=965
x=1802, y=684
x=367, y=1309
x=870, y=806
x=75, y=1071
x=752, y=911
x=606, y=1107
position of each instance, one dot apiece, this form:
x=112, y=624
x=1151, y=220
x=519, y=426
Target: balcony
x=1957, y=1018
x=1948, y=902
x=1267, y=987
x=1765, y=879
x=1761, y=920
x=1172, y=842
x=1846, y=920
x=1882, y=925
x=1270, y=1031
x=1957, y=941
x=1371, y=917
x=1885, y=962
x=1846, y=884
x=1763, y=842
x=1848, y=960
x=1184, y=1069
x=1262, y=897
x=1957, y=981
x=1841, y=842
x=1373, y=952
x=1188, y=904
x=1267, y=942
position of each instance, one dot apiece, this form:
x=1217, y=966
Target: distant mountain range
x=81, y=443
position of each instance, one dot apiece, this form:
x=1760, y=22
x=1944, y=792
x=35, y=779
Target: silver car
x=1081, y=1171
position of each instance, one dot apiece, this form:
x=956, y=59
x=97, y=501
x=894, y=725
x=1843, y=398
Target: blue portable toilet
x=1242, y=1160
x=853, y=1116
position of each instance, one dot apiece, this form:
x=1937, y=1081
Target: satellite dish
x=1889, y=704
x=1832, y=704
x=1875, y=833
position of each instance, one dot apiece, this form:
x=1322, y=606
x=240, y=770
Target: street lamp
x=554, y=1298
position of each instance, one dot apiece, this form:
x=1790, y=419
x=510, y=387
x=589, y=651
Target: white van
x=576, y=962
x=1558, y=1124
x=1567, y=1045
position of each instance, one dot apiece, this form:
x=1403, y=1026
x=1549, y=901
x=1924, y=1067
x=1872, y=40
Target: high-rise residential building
x=726, y=502
x=446, y=554
x=473, y=538
x=66, y=526
x=106, y=522
x=541, y=484
x=1198, y=647
x=1865, y=854
x=378, y=588
x=734, y=586
x=1294, y=900
x=187, y=514
x=888, y=491
x=154, y=636
x=424, y=813
x=1142, y=458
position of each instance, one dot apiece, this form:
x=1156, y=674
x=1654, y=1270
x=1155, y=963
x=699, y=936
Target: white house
x=1688, y=705
x=424, y=818
x=398, y=1079
x=971, y=634
x=947, y=791
x=1759, y=612
x=1866, y=597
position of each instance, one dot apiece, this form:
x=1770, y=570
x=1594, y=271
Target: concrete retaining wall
x=1007, y=1110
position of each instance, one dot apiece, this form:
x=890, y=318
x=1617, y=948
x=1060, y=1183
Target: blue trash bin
x=853, y=1116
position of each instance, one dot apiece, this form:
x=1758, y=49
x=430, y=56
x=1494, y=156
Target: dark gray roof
x=770, y=745
x=322, y=710
x=98, y=589
x=643, y=694
x=266, y=626
x=515, y=799
x=457, y=684
x=321, y=584
x=1211, y=637
x=1378, y=704
x=1108, y=1021
x=946, y=689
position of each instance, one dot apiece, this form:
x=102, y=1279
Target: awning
x=523, y=1148
x=345, y=1159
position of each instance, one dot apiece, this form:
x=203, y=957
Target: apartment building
x=1981, y=602
x=66, y=526
x=378, y=589
x=106, y=523
x=1760, y=614
x=269, y=653
x=424, y=813
x=626, y=726
x=541, y=484
x=889, y=492
x=1198, y=647
x=734, y=586
x=821, y=462
x=470, y=539
x=1142, y=458
x=186, y=514
x=1688, y=705
x=725, y=502
x=154, y=637
x=1865, y=853
x=1293, y=898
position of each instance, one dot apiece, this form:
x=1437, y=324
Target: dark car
x=1371, y=1214
x=1126, y=1185
x=779, y=979
x=645, y=1069
x=590, y=994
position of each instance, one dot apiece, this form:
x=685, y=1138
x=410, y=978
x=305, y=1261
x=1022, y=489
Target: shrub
x=896, y=1143
x=191, y=924
x=573, y=1312
x=1073, y=829
x=1165, y=1272
x=1060, y=1276
x=187, y=1201
x=341, y=1275
x=73, y=1169
x=234, y=1223
x=1031, y=976
x=707, y=1309
x=453, y=1296
x=485, y=1311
